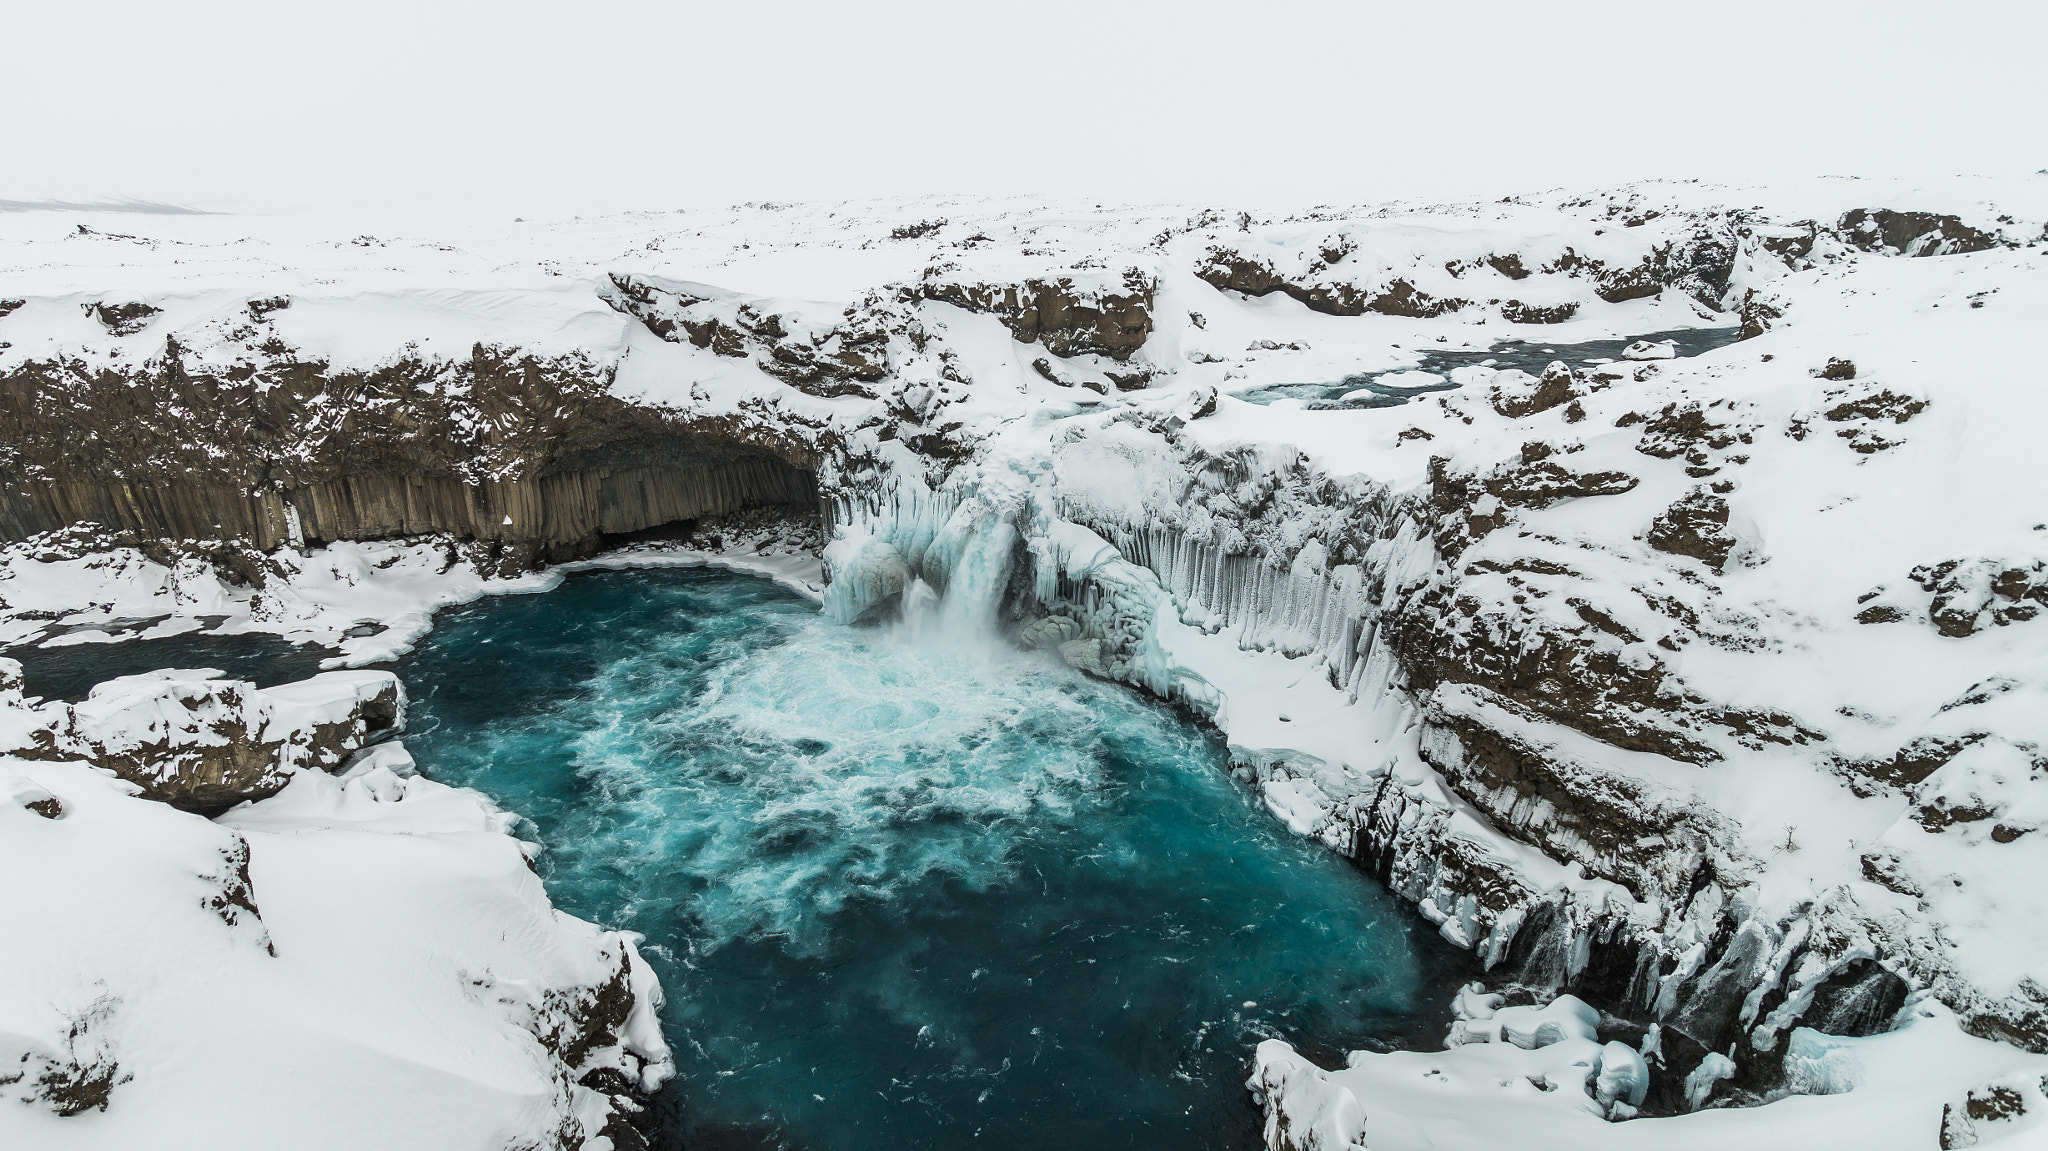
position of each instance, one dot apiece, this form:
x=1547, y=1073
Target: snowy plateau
x=1646, y=585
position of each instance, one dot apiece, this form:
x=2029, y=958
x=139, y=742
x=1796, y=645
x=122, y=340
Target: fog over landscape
x=534, y=108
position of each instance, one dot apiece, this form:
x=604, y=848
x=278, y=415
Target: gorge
x=1594, y=665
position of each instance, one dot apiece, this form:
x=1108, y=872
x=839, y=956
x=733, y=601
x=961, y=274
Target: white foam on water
x=847, y=764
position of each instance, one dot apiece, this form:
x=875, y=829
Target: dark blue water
x=906, y=895
x=1531, y=356
x=70, y=672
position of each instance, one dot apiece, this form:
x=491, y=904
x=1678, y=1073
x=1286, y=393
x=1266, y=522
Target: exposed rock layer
x=534, y=453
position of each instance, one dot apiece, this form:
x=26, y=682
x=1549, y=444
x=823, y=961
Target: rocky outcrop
x=2004, y=1106
x=78, y=1073
x=124, y=318
x=1070, y=315
x=1527, y=287
x=132, y=911
x=1531, y=682
x=841, y=358
x=1910, y=233
x=1697, y=526
x=204, y=744
x=589, y=1031
x=1517, y=394
x=1228, y=270
x=1966, y=596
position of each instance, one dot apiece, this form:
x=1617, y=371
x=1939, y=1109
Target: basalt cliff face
x=1600, y=667
x=528, y=454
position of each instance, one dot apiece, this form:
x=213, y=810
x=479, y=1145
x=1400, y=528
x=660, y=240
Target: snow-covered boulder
x=203, y=743
x=1650, y=350
x=1305, y=1110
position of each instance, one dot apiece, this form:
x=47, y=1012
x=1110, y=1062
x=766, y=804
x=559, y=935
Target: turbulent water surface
x=905, y=894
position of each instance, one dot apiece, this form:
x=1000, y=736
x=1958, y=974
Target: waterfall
x=952, y=555
x=1108, y=587
x=978, y=575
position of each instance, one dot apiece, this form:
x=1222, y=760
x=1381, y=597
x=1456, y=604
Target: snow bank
x=364, y=958
x=1911, y=1088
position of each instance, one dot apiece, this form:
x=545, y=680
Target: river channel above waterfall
x=903, y=893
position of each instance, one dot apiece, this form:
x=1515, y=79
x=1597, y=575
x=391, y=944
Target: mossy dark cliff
x=532, y=454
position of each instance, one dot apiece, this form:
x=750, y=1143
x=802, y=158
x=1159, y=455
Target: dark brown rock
x=205, y=745
x=1992, y=1103
x=1069, y=320
x=1546, y=482
x=1558, y=385
x=1689, y=430
x=1227, y=270
x=1868, y=403
x=1517, y=312
x=2021, y=1019
x=502, y=446
x=123, y=319
x=1758, y=314
x=1695, y=525
x=1625, y=833
x=1967, y=594
x=1911, y=233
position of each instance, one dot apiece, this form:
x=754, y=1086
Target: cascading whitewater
x=1109, y=582
x=966, y=558
x=965, y=545
x=961, y=541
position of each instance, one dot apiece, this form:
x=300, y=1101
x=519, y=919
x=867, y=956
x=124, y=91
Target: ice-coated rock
x=1650, y=350
x=1305, y=1109
x=1623, y=1077
x=866, y=573
x=1699, y=1083
x=1566, y=1017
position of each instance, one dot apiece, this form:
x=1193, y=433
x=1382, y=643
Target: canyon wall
x=526, y=452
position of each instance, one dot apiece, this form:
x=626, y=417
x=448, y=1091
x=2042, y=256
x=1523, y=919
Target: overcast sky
x=587, y=106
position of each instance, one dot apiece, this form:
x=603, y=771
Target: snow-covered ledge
x=362, y=958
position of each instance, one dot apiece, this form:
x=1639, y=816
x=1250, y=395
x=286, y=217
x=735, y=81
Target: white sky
x=587, y=106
